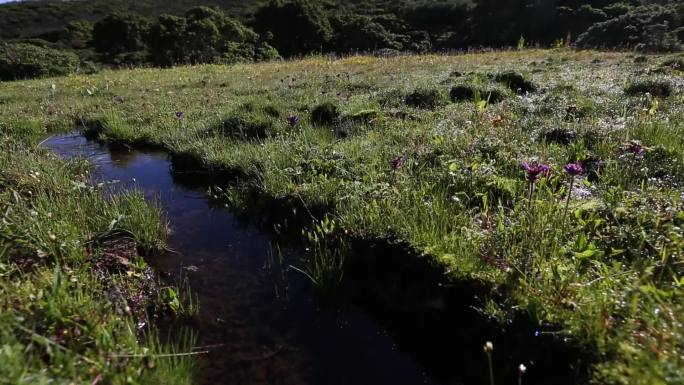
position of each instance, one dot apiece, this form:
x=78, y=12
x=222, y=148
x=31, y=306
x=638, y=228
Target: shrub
x=515, y=81
x=120, y=33
x=297, y=26
x=361, y=33
x=24, y=61
x=647, y=28
x=437, y=16
x=428, y=98
x=326, y=113
x=660, y=88
x=205, y=35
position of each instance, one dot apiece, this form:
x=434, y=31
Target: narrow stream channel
x=268, y=324
x=268, y=336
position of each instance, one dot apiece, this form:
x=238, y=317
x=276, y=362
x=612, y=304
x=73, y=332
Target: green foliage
x=437, y=16
x=78, y=34
x=297, y=26
x=646, y=28
x=205, y=35
x=120, y=33
x=24, y=61
x=60, y=319
x=361, y=33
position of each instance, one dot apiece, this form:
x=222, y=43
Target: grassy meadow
x=424, y=150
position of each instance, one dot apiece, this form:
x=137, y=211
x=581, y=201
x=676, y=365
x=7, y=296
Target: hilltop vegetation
x=124, y=33
x=552, y=178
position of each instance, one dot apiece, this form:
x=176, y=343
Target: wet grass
x=77, y=301
x=602, y=269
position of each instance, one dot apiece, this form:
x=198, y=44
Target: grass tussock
x=76, y=298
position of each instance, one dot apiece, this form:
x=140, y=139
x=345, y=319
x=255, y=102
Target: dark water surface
x=269, y=324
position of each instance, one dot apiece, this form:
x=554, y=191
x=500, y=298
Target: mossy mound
x=426, y=98
x=660, y=88
x=325, y=114
x=515, y=81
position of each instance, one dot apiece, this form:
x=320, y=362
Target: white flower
x=488, y=347
x=522, y=369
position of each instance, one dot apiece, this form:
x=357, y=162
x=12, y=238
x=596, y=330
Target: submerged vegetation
x=551, y=177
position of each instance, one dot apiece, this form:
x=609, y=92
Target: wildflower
x=573, y=169
x=179, y=116
x=292, y=120
x=633, y=147
x=397, y=162
x=534, y=171
x=521, y=370
x=488, y=349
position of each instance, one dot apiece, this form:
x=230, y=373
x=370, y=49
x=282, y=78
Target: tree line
x=290, y=28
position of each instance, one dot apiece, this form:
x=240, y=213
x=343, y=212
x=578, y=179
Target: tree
x=205, y=35
x=354, y=32
x=298, y=26
x=120, y=33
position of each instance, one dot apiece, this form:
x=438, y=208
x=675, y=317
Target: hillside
x=36, y=18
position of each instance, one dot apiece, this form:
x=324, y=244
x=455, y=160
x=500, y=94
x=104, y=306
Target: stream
x=266, y=324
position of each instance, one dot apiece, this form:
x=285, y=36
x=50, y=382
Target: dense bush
x=120, y=33
x=205, y=35
x=23, y=61
x=361, y=33
x=297, y=26
x=648, y=28
x=428, y=98
x=437, y=16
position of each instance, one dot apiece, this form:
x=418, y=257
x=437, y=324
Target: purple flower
x=534, y=171
x=573, y=168
x=633, y=147
x=292, y=120
x=397, y=162
x=179, y=115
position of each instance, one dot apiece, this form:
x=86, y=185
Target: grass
x=447, y=179
x=69, y=313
